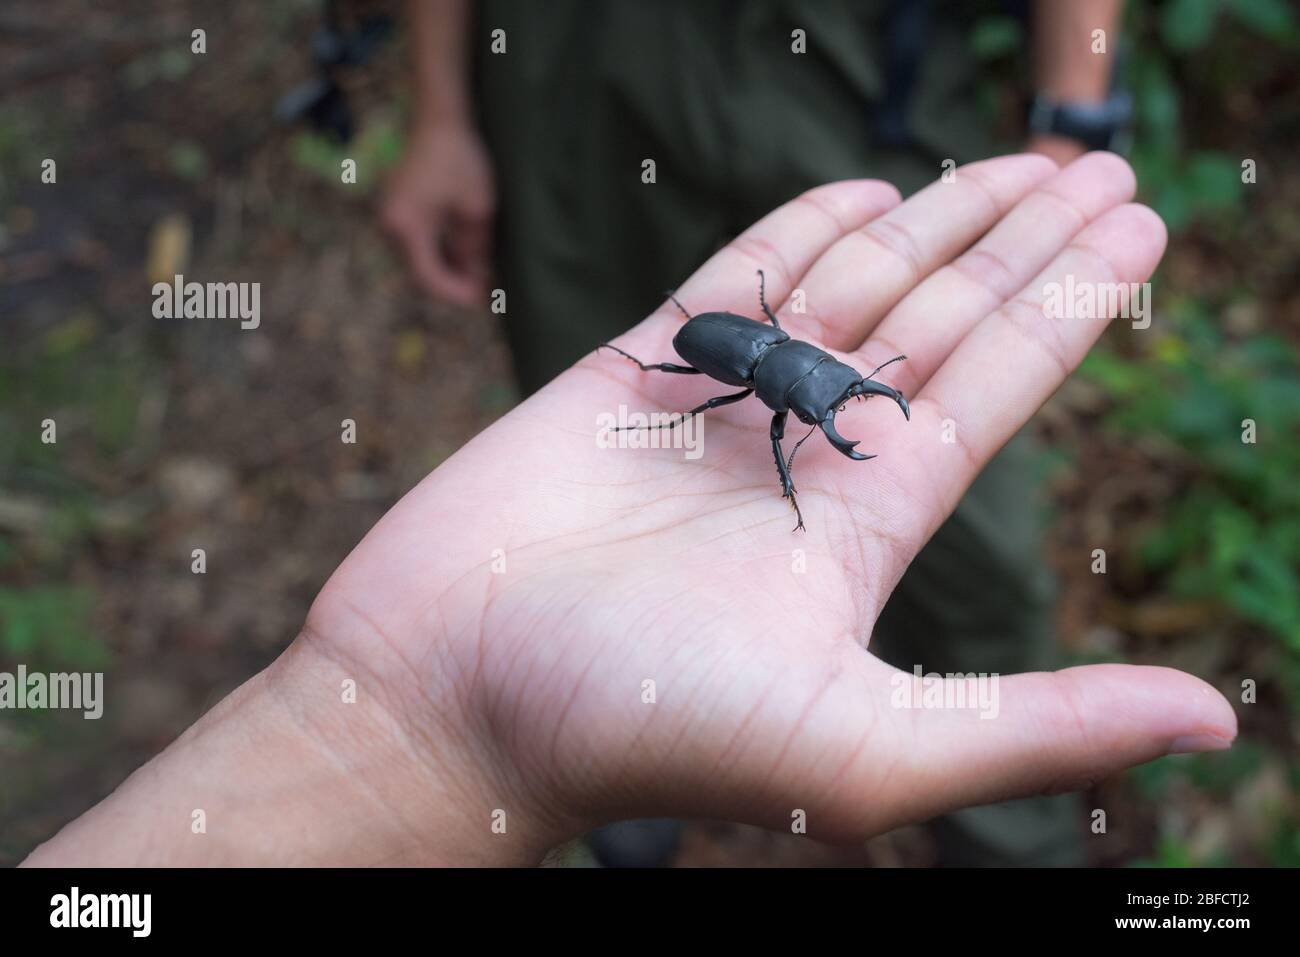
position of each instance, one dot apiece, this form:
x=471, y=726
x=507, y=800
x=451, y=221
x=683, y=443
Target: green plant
x=1232, y=409
x=49, y=625
x=376, y=148
x=1201, y=47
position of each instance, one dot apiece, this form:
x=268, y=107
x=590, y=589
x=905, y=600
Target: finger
x=863, y=275
x=471, y=245
x=470, y=250
x=784, y=243
x=418, y=239
x=1017, y=357
x=851, y=747
x=995, y=738
x=930, y=320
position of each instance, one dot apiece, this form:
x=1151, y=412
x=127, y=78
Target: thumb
x=1053, y=732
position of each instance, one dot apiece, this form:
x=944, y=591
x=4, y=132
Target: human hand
x=501, y=621
x=438, y=208
x=622, y=565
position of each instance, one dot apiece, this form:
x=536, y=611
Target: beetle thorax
x=799, y=377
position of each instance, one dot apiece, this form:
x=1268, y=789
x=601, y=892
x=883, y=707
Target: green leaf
x=1202, y=415
x=1157, y=104
x=1118, y=377
x=995, y=37
x=1232, y=533
x=1188, y=24
x=1272, y=18
x=1215, y=180
x=188, y=160
x=49, y=625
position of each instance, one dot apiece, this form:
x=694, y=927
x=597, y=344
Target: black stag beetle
x=788, y=375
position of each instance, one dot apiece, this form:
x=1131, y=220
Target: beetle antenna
x=790, y=463
x=882, y=365
x=670, y=293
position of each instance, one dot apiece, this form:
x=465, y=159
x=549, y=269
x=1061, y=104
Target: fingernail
x=1196, y=743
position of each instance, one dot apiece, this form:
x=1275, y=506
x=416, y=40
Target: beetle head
x=864, y=389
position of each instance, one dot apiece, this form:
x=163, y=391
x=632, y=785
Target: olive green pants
x=737, y=124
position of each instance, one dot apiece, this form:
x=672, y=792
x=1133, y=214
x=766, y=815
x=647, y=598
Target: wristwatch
x=1098, y=126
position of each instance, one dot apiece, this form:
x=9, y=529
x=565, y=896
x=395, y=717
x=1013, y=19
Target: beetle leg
x=787, y=484
x=704, y=407
x=655, y=367
x=762, y=300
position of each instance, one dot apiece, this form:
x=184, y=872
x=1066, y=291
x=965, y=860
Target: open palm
x=631, y=631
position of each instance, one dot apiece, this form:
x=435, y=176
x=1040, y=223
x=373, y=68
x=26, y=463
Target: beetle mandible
x=787, y=374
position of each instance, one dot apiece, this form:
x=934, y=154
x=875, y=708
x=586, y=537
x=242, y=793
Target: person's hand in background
x=438, y=207
x=498, y=626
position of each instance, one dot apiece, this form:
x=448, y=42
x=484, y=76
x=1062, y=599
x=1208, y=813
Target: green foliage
x=48, y=626
x=377, y=148
x=1230, y=533
x=1187, y=25
x=168, y=64
x=94, y=396
x=1218, y=772
x=1172, y=54
x=1274, y=19
x=1170, y=852
x=995, y=37
x=1233, y=535
x=1219, y=776
x=1285, y=848
x=1186, y=48
x=78, y=386
x=188, y=160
